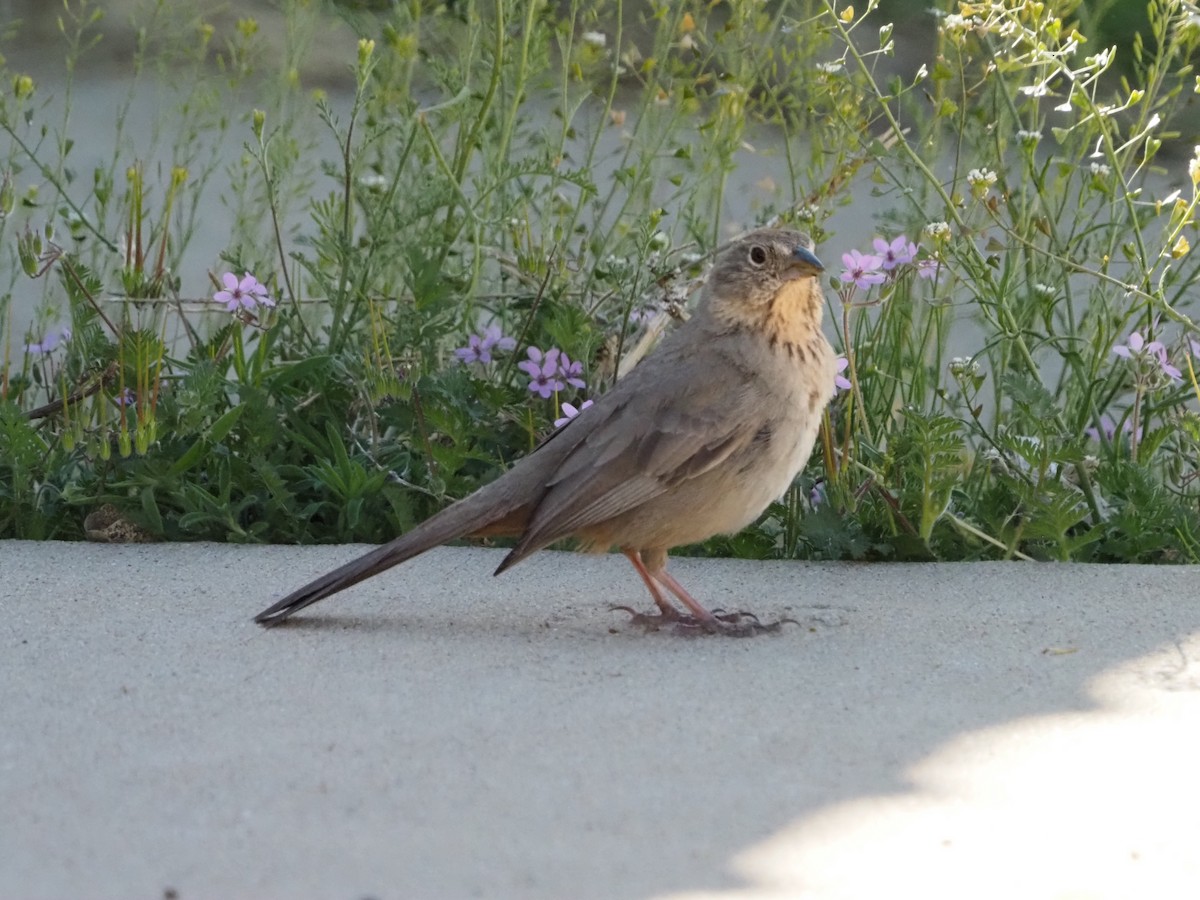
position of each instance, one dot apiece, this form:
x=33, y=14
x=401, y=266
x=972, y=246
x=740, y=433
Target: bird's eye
x=758, y=256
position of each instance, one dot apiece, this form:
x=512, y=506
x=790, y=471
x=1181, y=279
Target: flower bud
x=8, y=197
x=365, y=48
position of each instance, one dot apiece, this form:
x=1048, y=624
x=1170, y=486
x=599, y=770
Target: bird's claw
x=742, y=624
x=730, y=624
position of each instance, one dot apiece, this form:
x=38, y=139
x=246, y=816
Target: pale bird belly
x=740, y=491
x=726, y=499
x=722, y=501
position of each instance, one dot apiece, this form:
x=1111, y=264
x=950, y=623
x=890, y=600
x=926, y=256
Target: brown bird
x=695, y=441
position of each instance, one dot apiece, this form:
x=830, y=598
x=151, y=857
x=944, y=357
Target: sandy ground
x=986, y=730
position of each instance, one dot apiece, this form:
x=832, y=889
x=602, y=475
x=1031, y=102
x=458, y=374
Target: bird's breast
x=807, y=388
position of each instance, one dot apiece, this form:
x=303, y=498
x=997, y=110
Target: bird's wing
x=643, y=442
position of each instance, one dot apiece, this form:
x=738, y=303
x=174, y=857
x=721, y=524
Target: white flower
x=597, y=39
x=981, y=178
x=831, y=68
x=939, y=231
x=981, y=181
x=1045, y=290
x=963, y=367
x=957, y=22
x=1100, y=170
x=1029, y=137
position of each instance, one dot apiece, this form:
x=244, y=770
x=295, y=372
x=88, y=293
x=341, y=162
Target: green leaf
x=223, y=425
x=150, y=512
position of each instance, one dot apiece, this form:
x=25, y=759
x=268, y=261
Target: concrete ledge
x=984, y=730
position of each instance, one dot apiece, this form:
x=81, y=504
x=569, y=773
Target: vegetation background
x=468, y=218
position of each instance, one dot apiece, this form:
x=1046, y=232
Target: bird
x=695, y=441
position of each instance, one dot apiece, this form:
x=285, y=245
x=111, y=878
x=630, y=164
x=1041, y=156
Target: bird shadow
x=619, y=620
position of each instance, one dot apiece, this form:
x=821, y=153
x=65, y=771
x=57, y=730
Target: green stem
x=58, y=186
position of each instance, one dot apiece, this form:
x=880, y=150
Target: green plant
x=515, y=197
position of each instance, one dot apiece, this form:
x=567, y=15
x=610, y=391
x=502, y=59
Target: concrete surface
x=988, y=730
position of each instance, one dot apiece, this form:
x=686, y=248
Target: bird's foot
x=744, y=624
x=652, y=621
x=739, y=624
x=730, y=624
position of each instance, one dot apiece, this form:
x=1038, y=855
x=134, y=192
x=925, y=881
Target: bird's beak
x=805, y=260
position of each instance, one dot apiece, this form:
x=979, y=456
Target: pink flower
x=1136, y=345
x=53, y=338
x=1139, y=348
x=543, y=371
x=818, y=496
x=570, y=371
x=897, y=253
x=840, y=381
x=862, y=269
x=928, y=268
x=245, y=293
x=570, y=412
x=1165, y=364
x=551, y=372
x=479, y=346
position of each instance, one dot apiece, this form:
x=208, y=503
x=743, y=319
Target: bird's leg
x=654, y=572
x=666, y=611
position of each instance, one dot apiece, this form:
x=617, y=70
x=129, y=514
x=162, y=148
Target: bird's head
x=767, y=279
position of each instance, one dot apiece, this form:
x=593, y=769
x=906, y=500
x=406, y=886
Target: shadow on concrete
x=992, y=729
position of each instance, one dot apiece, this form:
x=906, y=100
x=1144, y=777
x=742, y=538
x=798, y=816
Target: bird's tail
x=478, y=514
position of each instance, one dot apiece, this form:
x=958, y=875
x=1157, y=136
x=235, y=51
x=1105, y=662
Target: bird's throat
x=793, y=315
